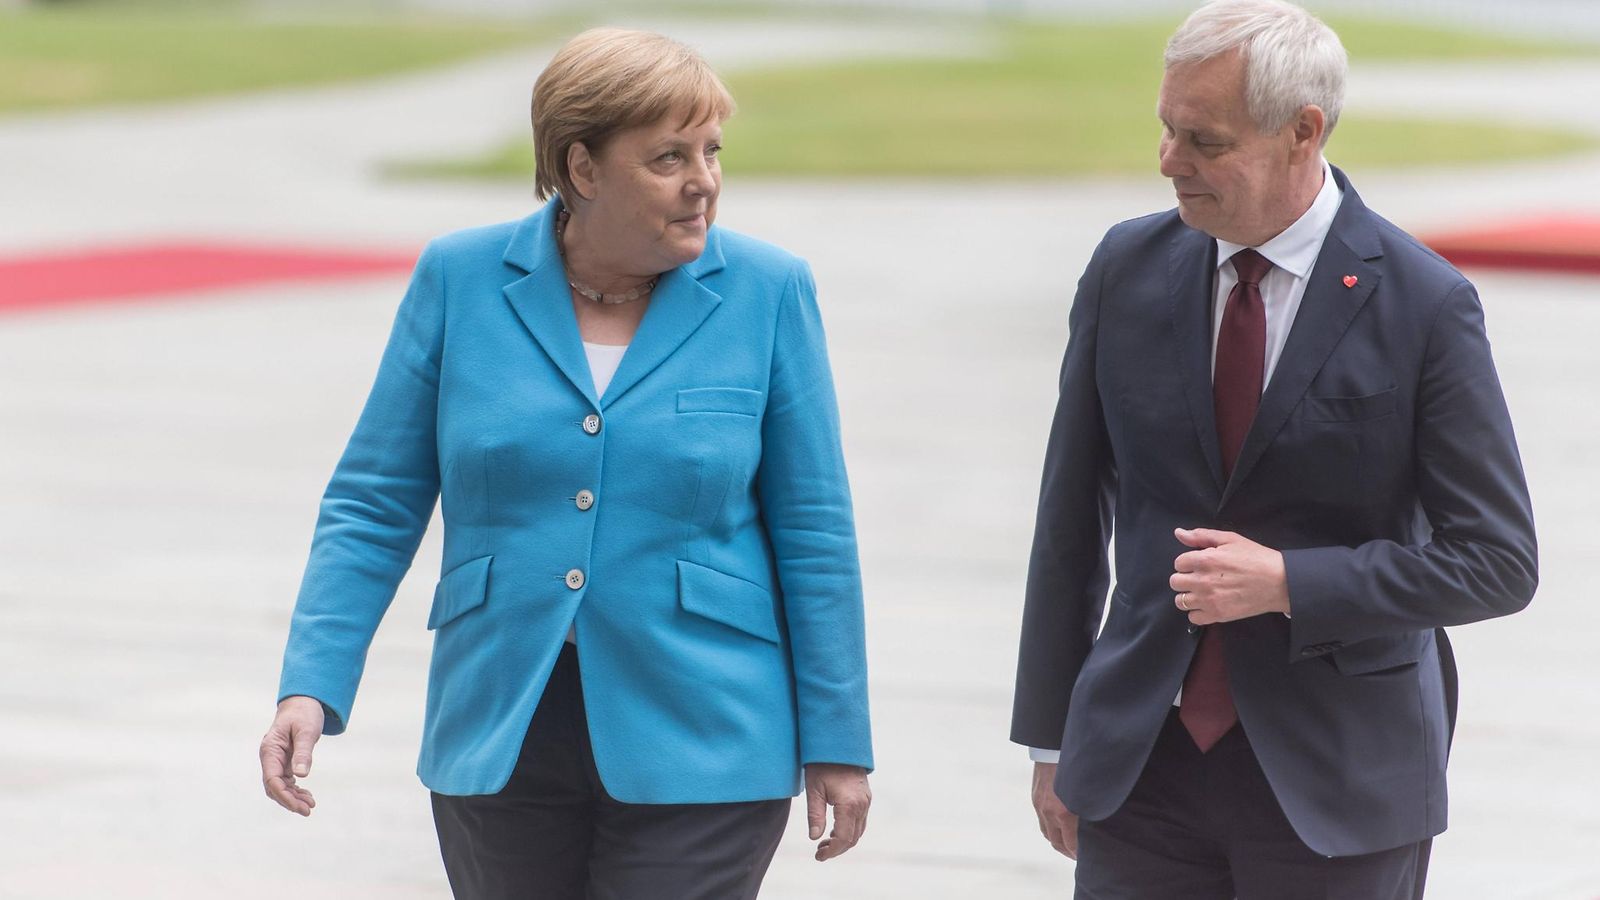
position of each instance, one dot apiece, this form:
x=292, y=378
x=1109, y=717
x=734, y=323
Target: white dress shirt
x=1293, y=254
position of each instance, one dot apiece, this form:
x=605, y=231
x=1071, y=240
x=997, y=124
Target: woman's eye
x=713, y=150
x=669, y=156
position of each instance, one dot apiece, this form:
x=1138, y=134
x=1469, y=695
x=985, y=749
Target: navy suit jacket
x=1381, y=462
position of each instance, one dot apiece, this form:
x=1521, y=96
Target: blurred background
x=208, y=212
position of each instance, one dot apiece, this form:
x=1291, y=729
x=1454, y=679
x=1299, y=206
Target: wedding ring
x=1183, y=603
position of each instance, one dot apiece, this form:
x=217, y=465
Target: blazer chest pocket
x=732, y=601
x=732, y=401
x=460, y=591
x=1377, y=655
x=719, y=429
x=1349, y=409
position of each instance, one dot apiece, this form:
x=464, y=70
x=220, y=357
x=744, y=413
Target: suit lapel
x=1191, y=271
x=679, y=305
x=1326, y=312
x=540, y=299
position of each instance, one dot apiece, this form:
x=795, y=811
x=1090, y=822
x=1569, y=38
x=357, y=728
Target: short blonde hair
x=609, y=79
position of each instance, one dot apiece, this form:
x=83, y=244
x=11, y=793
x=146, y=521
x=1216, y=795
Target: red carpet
x=1554, y=244
x=134, y=272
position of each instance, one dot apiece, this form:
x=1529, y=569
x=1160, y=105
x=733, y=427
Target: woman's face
x=651, y=193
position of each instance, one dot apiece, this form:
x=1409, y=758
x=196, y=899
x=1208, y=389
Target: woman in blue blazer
x=628, y=418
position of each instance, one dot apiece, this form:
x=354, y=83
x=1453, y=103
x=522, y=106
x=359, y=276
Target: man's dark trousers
x=1205, y=826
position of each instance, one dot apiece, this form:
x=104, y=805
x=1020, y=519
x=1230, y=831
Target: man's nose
x=1174, y=163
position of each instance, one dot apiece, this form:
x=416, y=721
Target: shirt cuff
x=1045, y=756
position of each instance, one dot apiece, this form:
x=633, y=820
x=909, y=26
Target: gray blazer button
x=585, y=499
x=591, y=424
x=575, y=579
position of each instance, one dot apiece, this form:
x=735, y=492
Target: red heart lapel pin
x=1350, y=281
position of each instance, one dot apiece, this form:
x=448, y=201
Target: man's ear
x=581, y=169
x=1309, y=127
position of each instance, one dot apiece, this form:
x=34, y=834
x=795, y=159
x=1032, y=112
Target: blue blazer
x=1381, y=462
x=713, y=582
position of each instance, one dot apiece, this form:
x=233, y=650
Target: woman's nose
x=702, y=178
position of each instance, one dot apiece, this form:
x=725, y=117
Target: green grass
x=1058, y=99
x=1061, y=100
x=1380, y=40
x=92, y=54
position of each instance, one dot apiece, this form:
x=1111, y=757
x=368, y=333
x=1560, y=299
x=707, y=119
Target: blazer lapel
x=680, y=303
x=1325, y=314
x=541, y=298
x=1191, y=273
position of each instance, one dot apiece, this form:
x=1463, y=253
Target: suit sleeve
x=375, y=509
x=805, y=504
x=1481, y=558
x=1067, y=571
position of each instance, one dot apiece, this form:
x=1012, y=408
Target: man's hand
x=286, y=753
x=1059, y=826
x=845, y=789
x=1227, y=577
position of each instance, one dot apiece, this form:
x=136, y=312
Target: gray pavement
x=161, y=463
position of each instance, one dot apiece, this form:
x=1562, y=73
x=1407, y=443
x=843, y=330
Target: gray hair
x=1291, y=59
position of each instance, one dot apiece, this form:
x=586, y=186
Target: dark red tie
x=1207, y=706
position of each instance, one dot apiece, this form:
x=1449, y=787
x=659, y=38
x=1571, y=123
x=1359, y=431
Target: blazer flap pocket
x=739, y=401
x=1349, y=409
x=461, y=589
x=1380, y=654
x=732, y=601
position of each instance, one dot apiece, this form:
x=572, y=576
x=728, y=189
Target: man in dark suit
x=1287, y=407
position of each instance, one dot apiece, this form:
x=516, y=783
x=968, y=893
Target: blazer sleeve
x=1068, y=571
x=375, y=509
x=805, y=504
x=1481, y=558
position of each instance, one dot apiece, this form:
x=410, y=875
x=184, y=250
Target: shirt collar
x=1295, y=249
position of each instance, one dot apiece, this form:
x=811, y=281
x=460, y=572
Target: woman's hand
x=286, y=752
x=845, y=789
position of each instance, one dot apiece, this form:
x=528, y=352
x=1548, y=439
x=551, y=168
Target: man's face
x=1232, y=181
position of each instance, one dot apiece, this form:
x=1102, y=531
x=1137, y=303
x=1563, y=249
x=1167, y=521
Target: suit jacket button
x=591, y=424
x=585, y=499
x=575, y=579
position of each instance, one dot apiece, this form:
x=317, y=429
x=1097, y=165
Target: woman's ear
x=581, y=169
